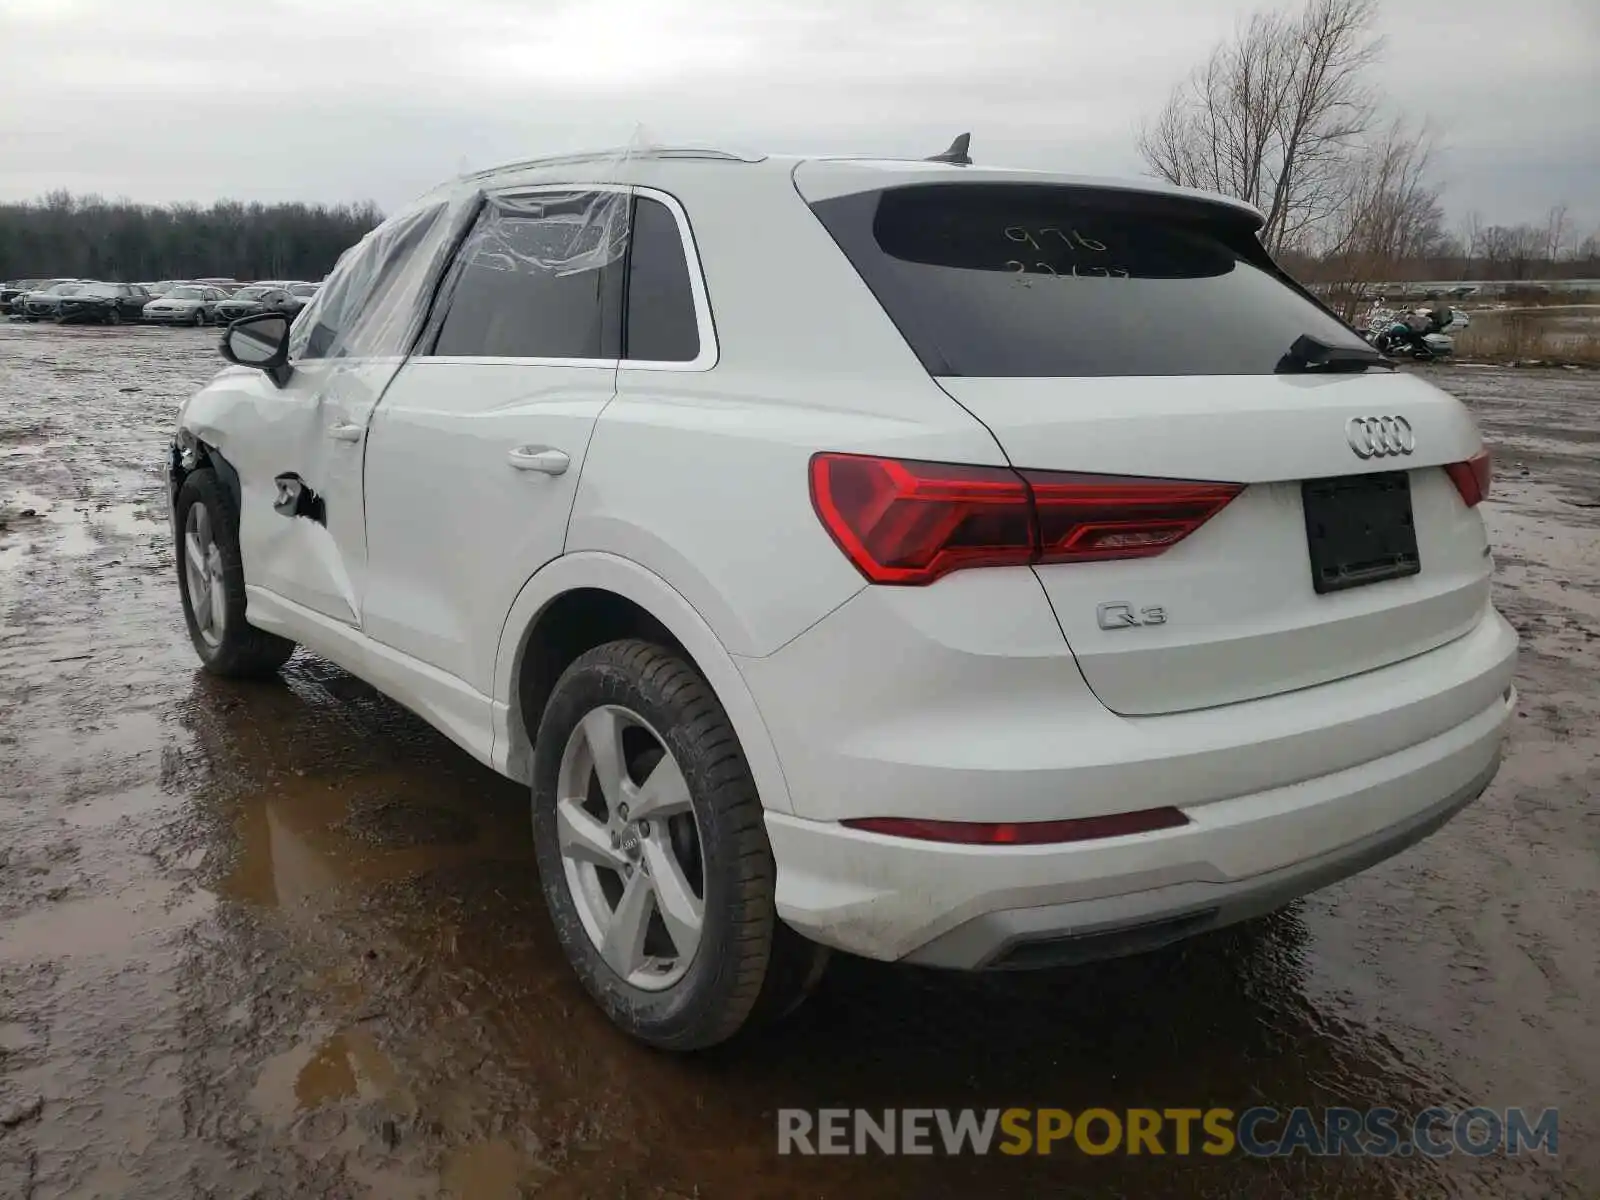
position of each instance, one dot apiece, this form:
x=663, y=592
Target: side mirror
x=260, y=341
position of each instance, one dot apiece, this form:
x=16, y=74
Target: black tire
x=199, y=317
x=749, y=967
x=243, y=651
x=113, y=317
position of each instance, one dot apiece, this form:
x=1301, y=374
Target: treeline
x=1543, y=253
x=88, y=237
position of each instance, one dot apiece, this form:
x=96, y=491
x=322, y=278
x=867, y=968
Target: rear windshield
x=1035, y=280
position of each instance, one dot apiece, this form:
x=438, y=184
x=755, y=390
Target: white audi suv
x=967, y=567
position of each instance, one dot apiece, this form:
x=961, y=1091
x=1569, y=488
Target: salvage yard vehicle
x=255, y=299
x=11, y=293
x=303, y=293
x=41, y=304
x=835, y=555
x=187, y=304
x=102, y=304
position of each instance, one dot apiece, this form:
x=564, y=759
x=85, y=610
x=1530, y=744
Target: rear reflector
x=1022, y=833
x=1472, y=478
x=909, y=522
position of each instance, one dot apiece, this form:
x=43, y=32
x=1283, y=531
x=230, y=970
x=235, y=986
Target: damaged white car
x=841, y=562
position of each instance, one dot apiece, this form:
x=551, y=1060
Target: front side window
x=364, y=309
x=538, y=277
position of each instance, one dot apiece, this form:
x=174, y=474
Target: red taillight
x=1022, y=833
x=909, y=522
x=1472, y=478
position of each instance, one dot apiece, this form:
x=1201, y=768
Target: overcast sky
x=167, y=100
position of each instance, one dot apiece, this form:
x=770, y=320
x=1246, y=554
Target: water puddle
x=125, y=925
x=314, y=840
x=492, y=1170
x=344, y=1066
x=111, y=807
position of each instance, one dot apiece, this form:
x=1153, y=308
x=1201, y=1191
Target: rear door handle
x=544, y=459
x=345, y=433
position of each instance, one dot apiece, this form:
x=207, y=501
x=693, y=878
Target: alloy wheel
x=202, y=567
x=630, y=847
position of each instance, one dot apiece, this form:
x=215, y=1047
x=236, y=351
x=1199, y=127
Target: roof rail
x=618, y=152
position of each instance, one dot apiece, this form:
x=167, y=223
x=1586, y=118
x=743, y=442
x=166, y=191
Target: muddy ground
x=285, y=940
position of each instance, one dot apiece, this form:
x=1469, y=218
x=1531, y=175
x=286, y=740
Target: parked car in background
x=186, y=304
x=18, y=287
x=165, y=286
x=13, y=295
x=102, y=304
x=256, y=298
x=40, y=304
x=303, y=293
x=228, y=285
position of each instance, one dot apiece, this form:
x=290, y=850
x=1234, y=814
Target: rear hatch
x=1110, y=336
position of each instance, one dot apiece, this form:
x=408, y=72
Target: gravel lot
x=284, y=940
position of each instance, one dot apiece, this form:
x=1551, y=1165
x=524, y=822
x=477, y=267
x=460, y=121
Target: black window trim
x=709, y=350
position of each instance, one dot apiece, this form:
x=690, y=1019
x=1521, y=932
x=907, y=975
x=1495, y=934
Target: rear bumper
x=961, y=702
x=972, y=908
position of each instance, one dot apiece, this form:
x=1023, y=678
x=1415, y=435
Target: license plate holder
x=1360, y=530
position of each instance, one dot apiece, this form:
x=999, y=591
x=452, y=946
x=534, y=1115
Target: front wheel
x=211, y=581
x=113, y=317
x=653, y=853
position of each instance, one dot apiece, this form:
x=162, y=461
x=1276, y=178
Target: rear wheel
x=199, y=317
x=113, y=316
x=653, y=854
x=211, y=580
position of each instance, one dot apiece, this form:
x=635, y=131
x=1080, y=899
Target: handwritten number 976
x=1070, y=238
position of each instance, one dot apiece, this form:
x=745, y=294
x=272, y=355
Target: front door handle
x=345, y=433
x=545, y=459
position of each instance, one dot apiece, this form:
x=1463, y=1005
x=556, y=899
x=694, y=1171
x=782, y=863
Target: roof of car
x=846, y=173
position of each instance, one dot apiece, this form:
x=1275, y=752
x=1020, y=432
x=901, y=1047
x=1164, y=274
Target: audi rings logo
x=1380, y=437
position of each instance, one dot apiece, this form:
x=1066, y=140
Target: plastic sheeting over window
x=379, y=294
x=540, y=276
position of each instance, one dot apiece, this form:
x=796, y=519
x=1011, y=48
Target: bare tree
x=1273, y=116
x=1390, y=218
x=1472, y=239
x=1555, y=227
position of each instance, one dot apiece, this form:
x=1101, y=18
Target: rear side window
x=661, y=325
x=1039, y=281
x=539, y=278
